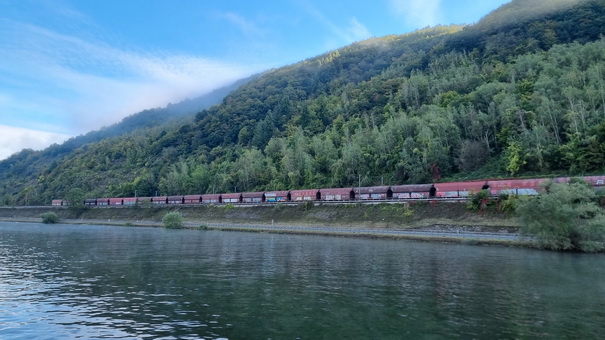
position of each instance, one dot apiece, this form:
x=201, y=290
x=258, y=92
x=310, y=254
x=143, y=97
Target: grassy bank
x=382, y=215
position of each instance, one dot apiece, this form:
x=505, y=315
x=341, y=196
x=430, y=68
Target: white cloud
x=418, y=13
x=248, y=27
x=82, y=84
x=353, y=32
x=13, y=140
x=358, y=31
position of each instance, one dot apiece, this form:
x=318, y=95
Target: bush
x=478, y=201
x=566, y=217
x=173, y=220
x=508, y=203
x=50, y=218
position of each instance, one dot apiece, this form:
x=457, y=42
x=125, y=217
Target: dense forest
x=521, y=93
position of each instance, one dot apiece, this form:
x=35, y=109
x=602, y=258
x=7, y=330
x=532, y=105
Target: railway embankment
x=425, y=220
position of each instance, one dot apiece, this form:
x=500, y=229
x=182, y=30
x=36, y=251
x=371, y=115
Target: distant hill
x=28, y=163
x=520, y=93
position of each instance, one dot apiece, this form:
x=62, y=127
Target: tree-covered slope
x=512, y=95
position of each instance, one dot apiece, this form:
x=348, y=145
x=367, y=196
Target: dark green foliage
x=519, y=93
x=566, y=217
x=173, y=220
x=75, y=197
x=50, y=218
x=508, y=203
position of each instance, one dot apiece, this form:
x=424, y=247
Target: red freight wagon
x=413, y=191
x=517, y=186
x=192, y=199
x=253, y=197
x=212, y=198
x=374, y=193
x=232, y=198
x=596, y=181
x=459, y=189
x=59, y=202
x=102, y=201
x=159, y=200
x=337, y=194
x=305, y=195
x=129, y=200
x=561, y=179
x=277, y=196
x=115, y=201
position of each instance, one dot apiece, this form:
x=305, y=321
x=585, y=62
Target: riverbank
x=424, y=221
x=380, y=215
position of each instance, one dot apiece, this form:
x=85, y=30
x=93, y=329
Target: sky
x=71, y=66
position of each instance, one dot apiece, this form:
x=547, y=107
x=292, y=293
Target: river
x=98, y=282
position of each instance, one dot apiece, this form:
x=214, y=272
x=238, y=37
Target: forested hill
x=520, y=93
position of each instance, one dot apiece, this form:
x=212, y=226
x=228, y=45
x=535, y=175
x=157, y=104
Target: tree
x=565, y=217
x=177, y=181
x=50, y=218
x=251, y=169
x=515, y=157
x=173, y=220
x=472, y=155
x=75, y=197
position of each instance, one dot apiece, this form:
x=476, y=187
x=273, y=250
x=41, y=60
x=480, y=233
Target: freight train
x=451, y=190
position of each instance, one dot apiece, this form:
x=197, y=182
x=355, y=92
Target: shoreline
x=460, y=233
x=450, y=222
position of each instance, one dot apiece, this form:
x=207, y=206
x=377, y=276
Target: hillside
x=520, y=93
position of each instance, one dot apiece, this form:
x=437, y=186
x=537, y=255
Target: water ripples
x=94, y=282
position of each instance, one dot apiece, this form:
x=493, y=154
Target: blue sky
x=71, y=66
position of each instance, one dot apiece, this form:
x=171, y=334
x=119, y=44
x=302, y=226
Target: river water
x=99, y=282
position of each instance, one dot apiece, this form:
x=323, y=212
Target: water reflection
x=111, y=282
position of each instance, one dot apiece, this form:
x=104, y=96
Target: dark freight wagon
x=159, y=200
x=374, y=193
x=253, y=197
x=175, y=199
x=337, y=194
x=212, y=198
x=192, y=199
x=413, y=191
x=103, y=201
